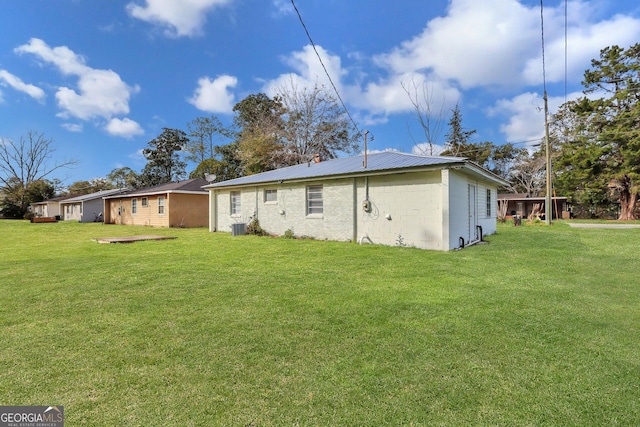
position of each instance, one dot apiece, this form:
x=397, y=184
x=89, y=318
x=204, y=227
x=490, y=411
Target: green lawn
x=539, y=327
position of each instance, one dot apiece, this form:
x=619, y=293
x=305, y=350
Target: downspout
x=354, y=227
x=213, y=211
x=256, y=205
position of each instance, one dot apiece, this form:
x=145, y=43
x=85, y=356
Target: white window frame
x=314, y=201
x=144, y=202
x=235, y=203
x=161, y=205
x=134, y=206
x=271, y=196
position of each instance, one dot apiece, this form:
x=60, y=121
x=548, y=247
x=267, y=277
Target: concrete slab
x=131, y=239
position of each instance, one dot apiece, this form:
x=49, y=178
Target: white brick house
x=434, y=202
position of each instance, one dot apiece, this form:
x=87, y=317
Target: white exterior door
x=473, y=215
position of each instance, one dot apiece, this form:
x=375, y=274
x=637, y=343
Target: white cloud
x=378, y=99
x=308, y=70
x=126, y=128
x=214, y=95
x=99, y=94
x=179, y=18
x=283, y=7
x=138, y=157
x=390, y=96
x=476, y=43
x=525, y=114
x=480, y=43
x=17, y=84
x=426, y=149
x=584, y=41
x=73, y=127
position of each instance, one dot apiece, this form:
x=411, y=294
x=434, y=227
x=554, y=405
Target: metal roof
x=376, y=163
x=96, y=195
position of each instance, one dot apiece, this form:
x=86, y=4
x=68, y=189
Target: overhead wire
x=355, y=125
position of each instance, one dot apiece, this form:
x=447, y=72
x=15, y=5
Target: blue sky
x=103, y=78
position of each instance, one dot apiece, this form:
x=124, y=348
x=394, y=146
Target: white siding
x=459, y=215
x=405, y=209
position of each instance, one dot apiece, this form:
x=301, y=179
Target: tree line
x=594, y=140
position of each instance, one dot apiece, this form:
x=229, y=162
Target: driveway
x=594, y=225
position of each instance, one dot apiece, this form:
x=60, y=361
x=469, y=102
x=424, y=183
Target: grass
x=538, y=327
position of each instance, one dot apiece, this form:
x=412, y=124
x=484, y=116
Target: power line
x=566, y=50
x=325, y=68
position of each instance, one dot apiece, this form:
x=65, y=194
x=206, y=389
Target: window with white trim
x=134, y=206
x=235, y=203
x=145, y=202
x=270, y=196
x=161, y=202
x=315, y=204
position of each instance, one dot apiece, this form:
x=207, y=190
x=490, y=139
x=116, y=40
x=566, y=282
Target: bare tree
x=25, y=162
x=430, y=116
x=528, y=175
x=204, y=133
x=315, y=124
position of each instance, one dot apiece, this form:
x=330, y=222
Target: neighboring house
x=387, y=198
x=522, y=205
x=48, y=208
x=86, y=208
x=176, y=204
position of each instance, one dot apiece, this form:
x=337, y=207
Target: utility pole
x=547, y=204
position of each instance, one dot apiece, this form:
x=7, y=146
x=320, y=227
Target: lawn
x=541, y=326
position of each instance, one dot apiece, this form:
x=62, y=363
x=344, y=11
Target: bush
x=288, y=234
x=254, y=228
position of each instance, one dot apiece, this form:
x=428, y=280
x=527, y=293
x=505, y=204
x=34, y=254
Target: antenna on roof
x=210, y=177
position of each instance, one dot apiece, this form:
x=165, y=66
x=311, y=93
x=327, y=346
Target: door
x=473, y=216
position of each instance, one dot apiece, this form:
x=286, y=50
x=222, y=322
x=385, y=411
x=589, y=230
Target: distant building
x=176, y=204
x=86, y=208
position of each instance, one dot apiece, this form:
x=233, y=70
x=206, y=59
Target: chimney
x=316, y=158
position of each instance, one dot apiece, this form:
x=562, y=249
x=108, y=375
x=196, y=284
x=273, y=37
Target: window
x=489, y=205
x=270, y=196
x=145, y=202
x=314, y=200
x=134, y=206
x=161, y=205
x=235, y=203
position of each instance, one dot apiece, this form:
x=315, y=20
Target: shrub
x=254, y=228
x=288, y=234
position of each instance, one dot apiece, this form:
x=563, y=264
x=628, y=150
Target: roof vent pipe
x=364, y=162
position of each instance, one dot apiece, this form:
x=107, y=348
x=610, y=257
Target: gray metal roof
x=376, y=162
x=96, y=195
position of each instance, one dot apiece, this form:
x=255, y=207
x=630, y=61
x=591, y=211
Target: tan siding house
x=176, y=204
